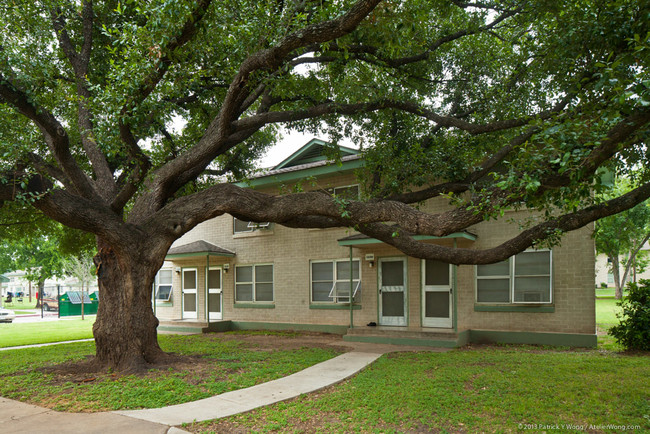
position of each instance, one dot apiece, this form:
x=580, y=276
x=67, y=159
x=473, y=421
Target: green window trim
x=254, y=306
x=336, y=306
x=513, y=308
x=258, y=285
x=514, y=279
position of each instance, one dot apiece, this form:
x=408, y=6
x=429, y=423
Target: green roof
x=311, y=152
x=308, y=161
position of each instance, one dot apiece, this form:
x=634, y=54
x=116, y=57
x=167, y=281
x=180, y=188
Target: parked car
x=6, y=315
x=50, y=303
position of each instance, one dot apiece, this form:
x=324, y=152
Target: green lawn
x=25, y=304
x=480, y=389
x=218, y=364
x=15, y=334
x=605, y=292
x=606, y=310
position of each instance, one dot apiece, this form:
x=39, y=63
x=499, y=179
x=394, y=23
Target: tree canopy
x=495, y=105
x=514, y=102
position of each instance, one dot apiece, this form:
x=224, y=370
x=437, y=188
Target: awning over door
x=198, y=248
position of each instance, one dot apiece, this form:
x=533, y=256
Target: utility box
x=70, y=303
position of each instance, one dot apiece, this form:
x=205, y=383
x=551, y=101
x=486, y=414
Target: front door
x=189, y=286
x=214, y=294
x=392, y=291
x=436, y=294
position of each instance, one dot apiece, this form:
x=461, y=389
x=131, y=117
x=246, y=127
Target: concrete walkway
x=17, y=417
x=308, y=380
x=45, y=345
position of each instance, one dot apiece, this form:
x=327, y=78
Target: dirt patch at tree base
x=196, y=366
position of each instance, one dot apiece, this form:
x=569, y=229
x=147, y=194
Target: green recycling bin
x=70, y=303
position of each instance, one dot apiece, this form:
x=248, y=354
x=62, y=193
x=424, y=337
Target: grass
x=25, y=304
x=29, y=333
x=606, y=311
x=480, y=389
x=605, y=292
x=219, y=365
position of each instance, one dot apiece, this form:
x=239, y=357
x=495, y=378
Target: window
x=349, y=192
x=523, y=278
x=330, y=281
x=254, y=283
x=243, y=226
x=164, y=284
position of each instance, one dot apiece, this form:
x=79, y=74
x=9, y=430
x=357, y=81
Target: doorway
x=392, y=291
x=214, y=298
x=437, y=297
x=189, y=287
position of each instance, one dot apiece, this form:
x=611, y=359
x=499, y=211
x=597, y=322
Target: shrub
x=603, y=285
x=633, y=331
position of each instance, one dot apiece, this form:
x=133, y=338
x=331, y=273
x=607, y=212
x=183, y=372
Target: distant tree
x=81, y=268
x=37, y=245
x=621, y=238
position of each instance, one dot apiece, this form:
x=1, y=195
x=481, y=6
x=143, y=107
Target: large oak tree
x=494, y=104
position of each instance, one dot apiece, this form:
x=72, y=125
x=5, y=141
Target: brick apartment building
x=231, y=274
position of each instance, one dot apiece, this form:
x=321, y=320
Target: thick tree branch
x=55, y=135
x=147, y=86
x=527, y=238
x=70, y=209
x=261, y=119
x=361, y=50
x=80, y=63
x=214, y=142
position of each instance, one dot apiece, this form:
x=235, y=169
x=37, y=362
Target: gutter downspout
x=454, y=283
x=351, y=288
x=207, y=288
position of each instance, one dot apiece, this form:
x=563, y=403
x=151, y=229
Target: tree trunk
x=617, y=277
x=41, y=289
x=125, y=328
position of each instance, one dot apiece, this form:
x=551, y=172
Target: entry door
x=392, y=291
x=436, y=294
x=190, y=280
x=214, y=297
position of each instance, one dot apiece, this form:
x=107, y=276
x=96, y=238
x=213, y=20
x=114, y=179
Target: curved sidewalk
x=17, y=417
x=238, y=401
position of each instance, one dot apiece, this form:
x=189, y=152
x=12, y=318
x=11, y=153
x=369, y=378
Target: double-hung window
x=254, y=283
x=523, y=278
x=164, y=284
x=330, y=281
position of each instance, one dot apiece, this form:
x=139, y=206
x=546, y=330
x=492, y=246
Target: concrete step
x=415, y=333
x=403, y=336
x=186, y=326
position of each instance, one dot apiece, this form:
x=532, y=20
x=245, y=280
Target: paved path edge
x=308, y=380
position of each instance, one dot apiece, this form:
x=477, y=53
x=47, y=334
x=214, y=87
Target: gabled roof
x=311, y=152
x=305, y=162
x=198, y=248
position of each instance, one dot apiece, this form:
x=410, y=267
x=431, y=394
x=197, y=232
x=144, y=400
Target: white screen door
x=214, y=297
x=392, y=291
x=436, y=294
x=190, y=280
